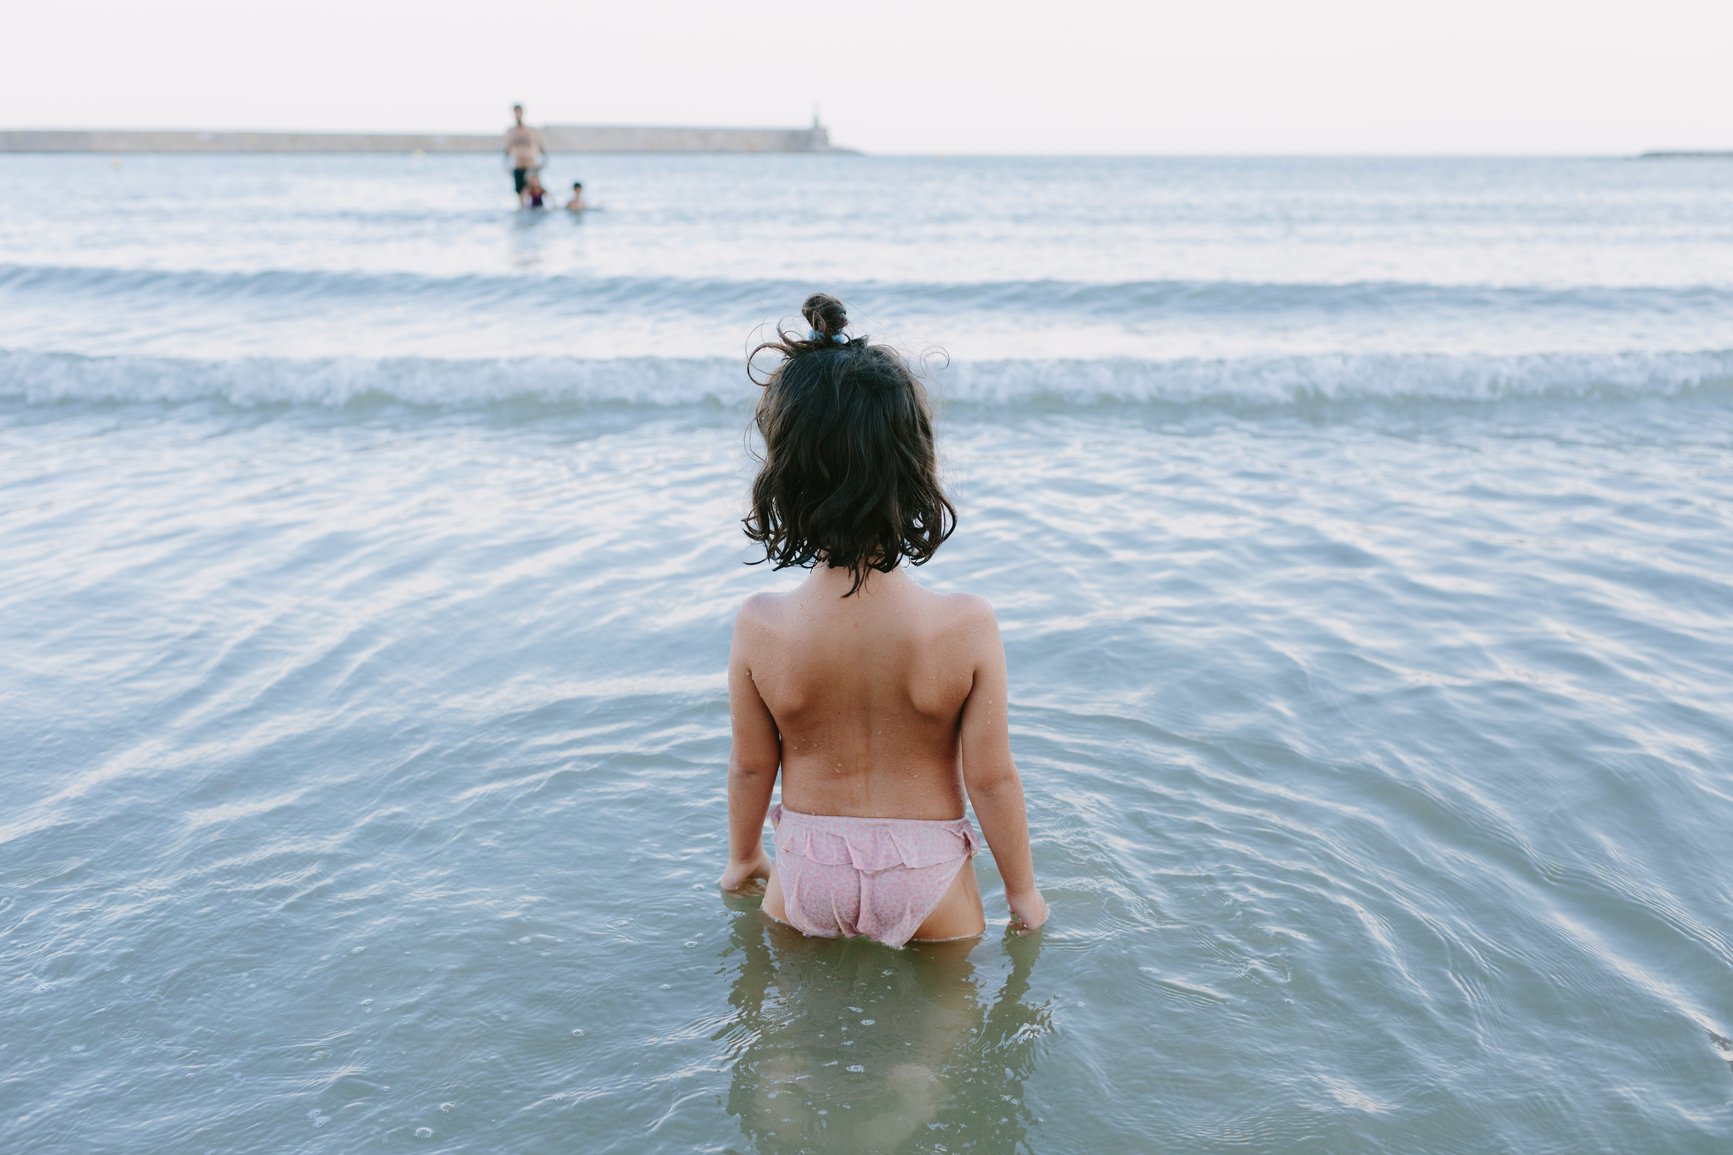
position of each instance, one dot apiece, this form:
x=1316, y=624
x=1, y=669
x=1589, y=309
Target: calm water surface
x=1359, y=531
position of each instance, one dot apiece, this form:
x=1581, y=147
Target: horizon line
x=1707, y=152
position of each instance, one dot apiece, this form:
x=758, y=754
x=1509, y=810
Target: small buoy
x=419, y=153
x=114, y=162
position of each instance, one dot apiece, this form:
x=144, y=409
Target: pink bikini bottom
x=879, y=877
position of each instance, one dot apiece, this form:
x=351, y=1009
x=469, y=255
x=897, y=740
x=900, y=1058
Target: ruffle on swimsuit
x=878, y=877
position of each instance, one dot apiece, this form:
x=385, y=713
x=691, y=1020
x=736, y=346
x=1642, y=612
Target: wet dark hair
x=849, y=474
x=577, y=184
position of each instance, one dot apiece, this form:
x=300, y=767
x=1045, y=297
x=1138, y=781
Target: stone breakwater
x=559, y=138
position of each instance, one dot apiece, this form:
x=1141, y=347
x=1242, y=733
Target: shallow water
x=365, y=738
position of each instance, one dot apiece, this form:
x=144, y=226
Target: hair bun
x=825, y=314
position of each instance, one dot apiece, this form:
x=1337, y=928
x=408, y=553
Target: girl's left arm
x=753, y=761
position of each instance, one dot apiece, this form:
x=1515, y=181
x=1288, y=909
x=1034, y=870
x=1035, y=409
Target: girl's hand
x=739, y=874
x=1028, y=909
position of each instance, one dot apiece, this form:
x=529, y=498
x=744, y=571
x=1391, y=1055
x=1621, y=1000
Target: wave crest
x=616, y=295
x=662, y=382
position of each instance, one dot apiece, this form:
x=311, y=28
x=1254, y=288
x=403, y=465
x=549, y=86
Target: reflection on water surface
x=847, y=1045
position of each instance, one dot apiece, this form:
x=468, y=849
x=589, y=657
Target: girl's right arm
x=989, y=774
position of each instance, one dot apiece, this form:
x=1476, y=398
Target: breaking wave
x=588, y=295
x=664, y=382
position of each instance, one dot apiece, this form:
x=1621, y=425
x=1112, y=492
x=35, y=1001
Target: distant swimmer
x=576, y=204
x=523, y=145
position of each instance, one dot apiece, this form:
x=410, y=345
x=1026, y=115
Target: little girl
x=879, y=701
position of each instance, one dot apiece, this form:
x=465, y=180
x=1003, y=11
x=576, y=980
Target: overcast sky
x=948, y=76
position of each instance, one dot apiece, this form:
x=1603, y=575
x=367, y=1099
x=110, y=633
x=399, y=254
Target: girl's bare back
x=867, y=692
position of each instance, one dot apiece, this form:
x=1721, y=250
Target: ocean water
x=1360, y=532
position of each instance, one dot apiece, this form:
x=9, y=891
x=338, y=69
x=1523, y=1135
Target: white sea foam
x=664, y=382
x=582, y=294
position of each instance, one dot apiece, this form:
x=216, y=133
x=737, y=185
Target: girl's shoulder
x=967, y=605
x=971, y=614
x=957, y=621
x=958, y=605
x=931, y=611
x=759, y=609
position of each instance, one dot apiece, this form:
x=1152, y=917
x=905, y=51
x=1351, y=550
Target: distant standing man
x=524, y=145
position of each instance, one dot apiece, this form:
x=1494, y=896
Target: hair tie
x=815, y=335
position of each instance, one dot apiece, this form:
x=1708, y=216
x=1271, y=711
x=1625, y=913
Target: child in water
x=880, y=702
